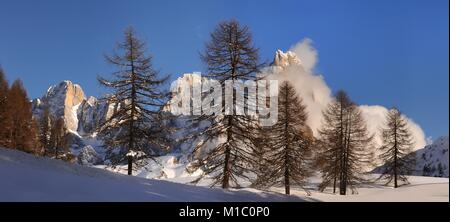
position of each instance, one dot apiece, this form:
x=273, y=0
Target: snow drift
x=25, y=177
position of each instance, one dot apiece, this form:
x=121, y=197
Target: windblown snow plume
x=297, y=66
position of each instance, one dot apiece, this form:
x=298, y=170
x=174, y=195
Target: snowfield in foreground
x=420, y=189
x=25, y=177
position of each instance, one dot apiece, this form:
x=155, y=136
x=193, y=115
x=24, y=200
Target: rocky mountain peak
x=62, y=100
x=82, y=115
x=285, y=59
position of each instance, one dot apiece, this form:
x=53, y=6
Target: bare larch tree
x=59, y=144
x=134, y=132
x=287, y=144
x=229, y=55
x=345, y=145
x=45, y=128
x=397, y=144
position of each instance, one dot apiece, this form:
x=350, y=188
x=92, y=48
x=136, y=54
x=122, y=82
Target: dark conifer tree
x=397, y=144
x=135, y=130
x=345, y=145
x=229, y=55
x=58, y=139
x=45, y=128
x=3, y=109
x=37, y=147
x=288, y=143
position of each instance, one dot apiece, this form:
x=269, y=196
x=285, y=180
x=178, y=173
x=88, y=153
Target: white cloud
x=317, y=94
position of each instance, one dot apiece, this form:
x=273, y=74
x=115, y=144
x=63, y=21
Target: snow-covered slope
x=25, y=177
x=421, y=189
x=432, y=160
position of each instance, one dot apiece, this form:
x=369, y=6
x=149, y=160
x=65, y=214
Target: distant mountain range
x=83, y=115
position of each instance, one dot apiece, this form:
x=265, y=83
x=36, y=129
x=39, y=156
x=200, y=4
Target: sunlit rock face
x=285, y=59
x=67, y=100
x=62, y=100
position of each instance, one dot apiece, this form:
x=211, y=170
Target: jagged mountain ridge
x=83, y=114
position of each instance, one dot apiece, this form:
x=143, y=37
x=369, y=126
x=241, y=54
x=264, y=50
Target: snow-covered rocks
x=91, y=113
x=432, y=160
x=88, y=156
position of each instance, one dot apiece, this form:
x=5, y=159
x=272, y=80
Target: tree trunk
x=341, y=150
x=287, y=141
x=395, y=156
x=130, y=165
x=133, y=107
x=286, y=179
x=334, y=183
x=226, y=169
x=227, y=166
x=346, y=153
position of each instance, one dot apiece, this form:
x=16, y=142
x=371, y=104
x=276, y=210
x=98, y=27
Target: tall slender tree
x=136, y=128
x=397, y=144
x=288, y=144
x=59, y=146
x=345, y=143
x=4, y=87
x=229, y=55
x=45, y=126
x=34, y=137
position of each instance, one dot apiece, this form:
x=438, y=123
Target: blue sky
x=381, y=51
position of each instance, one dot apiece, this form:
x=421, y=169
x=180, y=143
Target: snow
x=131, y=153
x=172, y=167
x=432, y=160
x=167, y=167
x=28, y=178
x=88, y=156
x=74, y=114
x=420, y=189
x=424, y=189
